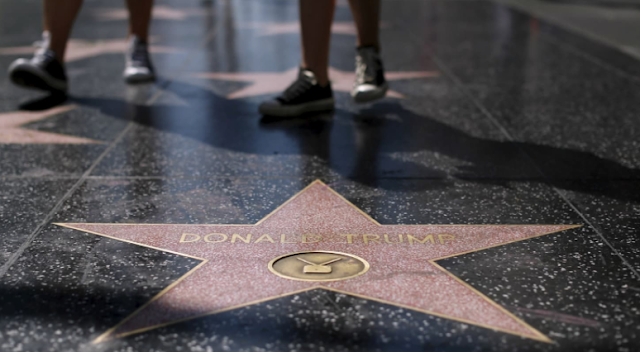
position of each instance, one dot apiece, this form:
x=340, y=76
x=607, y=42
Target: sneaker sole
x=134, y=79
x=373, y=95
x=26, y=76
x=298, y=110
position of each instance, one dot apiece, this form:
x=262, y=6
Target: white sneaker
x=138, y=62
x=370, y=84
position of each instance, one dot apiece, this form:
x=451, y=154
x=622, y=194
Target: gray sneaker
x=138, y=63
x=370, y=84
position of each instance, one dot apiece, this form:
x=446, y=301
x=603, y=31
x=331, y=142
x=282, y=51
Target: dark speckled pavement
x=496, y=117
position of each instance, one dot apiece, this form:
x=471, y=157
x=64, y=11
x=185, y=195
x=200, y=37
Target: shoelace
x=367, y=66
x=139, y=52
x=296, y=89
x=43, y=54
x=43, y=46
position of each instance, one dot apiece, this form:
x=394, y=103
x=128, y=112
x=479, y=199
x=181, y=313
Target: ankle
x=59, y=54
x=321, y=76
x=376, y=47
x=144, y=39
x=57, y=49
x=323, y=82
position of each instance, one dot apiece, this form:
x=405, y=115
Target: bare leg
x=59, y=16
x=140, y=18
x=316, y=17
x=366, y=14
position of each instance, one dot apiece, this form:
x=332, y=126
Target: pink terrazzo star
x=293, y=27
x=234, y=273
x=275, y=82
x=160, y=12
x=78, y=49
x=11, y=131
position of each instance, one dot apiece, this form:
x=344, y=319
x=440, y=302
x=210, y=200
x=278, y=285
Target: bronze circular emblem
x=318, y=266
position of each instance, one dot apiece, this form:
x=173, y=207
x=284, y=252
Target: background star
x=12, y=133
x=160, y=12
x=78, y=49
x=293, y=27
x=275, y=82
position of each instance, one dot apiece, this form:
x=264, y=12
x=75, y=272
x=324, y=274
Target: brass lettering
x=386, y=239
x=349, y=238
x=184, y=239
x=311, y=238
x=372, y=238
x=207, y=238
x=265, y=237
x=428, y=238
x=236, y=236
x=283, y=239
x=445, y=237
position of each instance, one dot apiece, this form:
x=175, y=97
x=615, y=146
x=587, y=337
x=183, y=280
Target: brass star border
x=318, y=219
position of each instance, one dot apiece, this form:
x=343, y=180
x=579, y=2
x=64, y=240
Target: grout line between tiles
x=576, y=31
x=15, y=255
x=588, y=57
x=150, y=101
x=445, y=69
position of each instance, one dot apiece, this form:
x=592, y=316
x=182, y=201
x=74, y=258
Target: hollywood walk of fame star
x=403, y=270
x=277, y=28
x=78, y=49
x=160, y=12
x=12, y=133
x=276, y=82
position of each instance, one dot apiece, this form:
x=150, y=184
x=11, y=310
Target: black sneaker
x=303, y=96
x=370, y=84
x=138, y=62
x=44, y=71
